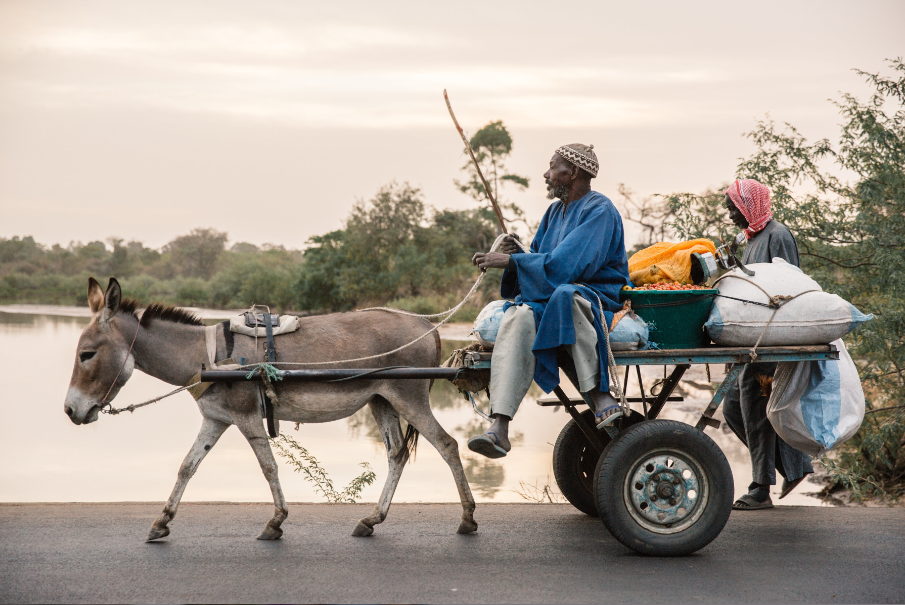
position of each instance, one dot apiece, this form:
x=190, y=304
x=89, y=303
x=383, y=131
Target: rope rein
x=449, y=313
x=125, y=359
x=267, y=368
x=131, y=408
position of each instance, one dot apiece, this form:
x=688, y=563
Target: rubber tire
x=575, y=463
x=627, y=448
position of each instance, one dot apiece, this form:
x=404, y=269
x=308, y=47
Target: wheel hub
x=665, y=491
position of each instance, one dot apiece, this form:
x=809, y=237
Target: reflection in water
x=136, y=456
x=485, y=476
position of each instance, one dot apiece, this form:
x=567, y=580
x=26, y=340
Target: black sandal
x=749, y=502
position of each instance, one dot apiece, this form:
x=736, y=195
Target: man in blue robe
x=575, y=269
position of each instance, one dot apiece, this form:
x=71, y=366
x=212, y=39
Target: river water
x=134, y=457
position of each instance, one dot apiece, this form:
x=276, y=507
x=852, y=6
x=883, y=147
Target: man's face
x=735, y=215
x=558, y=178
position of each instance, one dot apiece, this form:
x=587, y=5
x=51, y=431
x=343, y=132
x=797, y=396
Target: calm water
x=134, y=457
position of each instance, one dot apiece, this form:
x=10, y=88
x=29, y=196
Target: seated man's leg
x=511, y=375
x=587, y=362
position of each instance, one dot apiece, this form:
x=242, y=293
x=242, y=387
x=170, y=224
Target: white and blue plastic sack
x=817, y=405
x=740, y=314
x=630, y=334
x=487, y=325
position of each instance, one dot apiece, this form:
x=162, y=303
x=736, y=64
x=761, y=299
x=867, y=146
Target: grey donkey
x=169, y=343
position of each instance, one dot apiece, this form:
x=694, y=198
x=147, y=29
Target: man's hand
x=508, y=245
x=490, y=260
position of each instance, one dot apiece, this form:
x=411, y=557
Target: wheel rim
x=666, y=491
x=586, y=464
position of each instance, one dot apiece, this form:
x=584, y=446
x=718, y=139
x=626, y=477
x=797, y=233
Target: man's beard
x=560, y=192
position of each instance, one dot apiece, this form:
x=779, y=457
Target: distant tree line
x=393, y=249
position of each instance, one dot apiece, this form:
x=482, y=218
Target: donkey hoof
x=270, y=533
x=157, y=533
x=467, y=526
x=361, y=530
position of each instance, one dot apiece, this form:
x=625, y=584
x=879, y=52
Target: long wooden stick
x=496, y=208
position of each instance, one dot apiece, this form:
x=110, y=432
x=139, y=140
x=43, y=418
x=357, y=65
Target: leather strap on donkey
x=269, y=395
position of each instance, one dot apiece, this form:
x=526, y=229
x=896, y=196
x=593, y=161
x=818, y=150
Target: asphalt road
x=521, y=553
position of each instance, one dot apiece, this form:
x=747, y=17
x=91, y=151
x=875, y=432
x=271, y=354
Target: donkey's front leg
x=253, y=430
x=208, y=435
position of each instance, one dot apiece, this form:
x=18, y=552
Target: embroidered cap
x=580, y=155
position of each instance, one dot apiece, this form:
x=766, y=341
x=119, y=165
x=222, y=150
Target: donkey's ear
x=95, y=295
x=112, y=298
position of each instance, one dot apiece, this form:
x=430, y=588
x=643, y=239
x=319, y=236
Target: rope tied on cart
x=611, y=361
x=776, y=303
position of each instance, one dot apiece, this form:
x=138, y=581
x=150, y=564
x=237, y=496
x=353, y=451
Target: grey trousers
x=745, y=411
x=512, y=364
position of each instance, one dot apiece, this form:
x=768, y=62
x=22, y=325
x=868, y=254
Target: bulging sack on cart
x=807, y=315
x=630, y=333
x=488, y=323
x=816, y=405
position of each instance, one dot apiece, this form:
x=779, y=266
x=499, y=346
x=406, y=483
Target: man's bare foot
x=606, y=407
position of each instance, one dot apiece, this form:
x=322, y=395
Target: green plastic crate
x=676, y=318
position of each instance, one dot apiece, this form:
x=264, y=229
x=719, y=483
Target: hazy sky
x=269, y=119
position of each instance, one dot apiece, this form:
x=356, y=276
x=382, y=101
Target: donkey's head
x=103, y=357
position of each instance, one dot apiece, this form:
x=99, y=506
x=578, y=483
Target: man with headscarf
x=565, y=293
x=745, y=406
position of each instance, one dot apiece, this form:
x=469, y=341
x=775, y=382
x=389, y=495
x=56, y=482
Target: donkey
x=169, y=343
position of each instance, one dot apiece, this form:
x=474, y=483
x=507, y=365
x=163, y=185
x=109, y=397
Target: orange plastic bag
x=666, y=261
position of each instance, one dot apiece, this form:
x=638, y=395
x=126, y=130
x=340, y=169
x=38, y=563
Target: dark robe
x=745, y=406
x=578, y=243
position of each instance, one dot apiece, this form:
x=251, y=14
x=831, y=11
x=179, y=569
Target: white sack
x=488, y=323
x=816, y=405
x=811, y=319
x=630, y=334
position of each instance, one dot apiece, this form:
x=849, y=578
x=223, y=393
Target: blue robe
x=583, y=244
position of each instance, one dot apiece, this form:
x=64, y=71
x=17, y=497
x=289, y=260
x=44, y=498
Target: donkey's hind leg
x=208, y=435
x=397, y=454
x=253, y=431
x=422, y=418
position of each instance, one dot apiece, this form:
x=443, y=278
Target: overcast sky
x=268, y=120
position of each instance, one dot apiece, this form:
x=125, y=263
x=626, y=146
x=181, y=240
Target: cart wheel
x=574, y=463
x=664, y=488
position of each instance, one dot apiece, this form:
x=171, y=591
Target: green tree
x=196, y=254
x=120, y=259
x=394, y=248
x=845, y=203
x=492, y=146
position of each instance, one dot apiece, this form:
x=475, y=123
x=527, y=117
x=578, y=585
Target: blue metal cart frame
x=683, y=359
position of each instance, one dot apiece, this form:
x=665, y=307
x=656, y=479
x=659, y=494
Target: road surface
x=521, y=553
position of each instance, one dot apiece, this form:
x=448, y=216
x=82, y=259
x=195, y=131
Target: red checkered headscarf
x=753, y=201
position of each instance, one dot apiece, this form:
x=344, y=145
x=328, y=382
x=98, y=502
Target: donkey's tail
x=410, y=441
x=409, y=445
